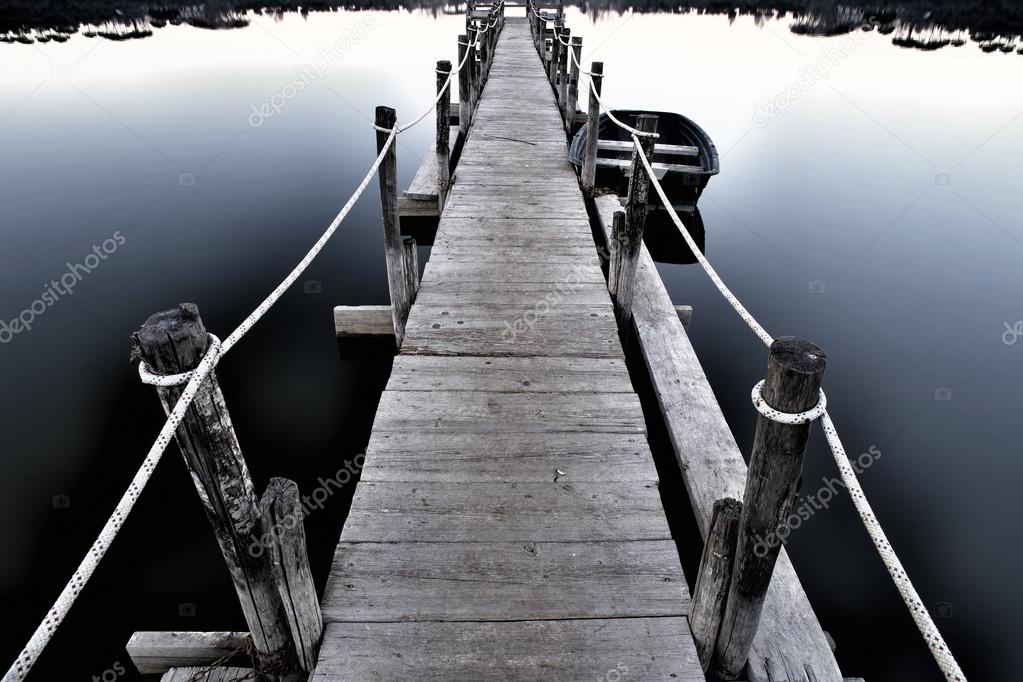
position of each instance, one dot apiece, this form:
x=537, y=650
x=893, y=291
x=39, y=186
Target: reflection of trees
x=913, y=23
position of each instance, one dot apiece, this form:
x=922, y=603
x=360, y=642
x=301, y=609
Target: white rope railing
x=919, y=612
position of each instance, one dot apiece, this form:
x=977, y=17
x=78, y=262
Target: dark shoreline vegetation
x=994, y=26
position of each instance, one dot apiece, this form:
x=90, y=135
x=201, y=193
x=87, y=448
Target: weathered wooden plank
x=363, y=320
x=154, y=653
x=566, y=274
x=667, y=149
x=529, y=651
x=459, y=581
x=790, y=636
x=496, y=457
x=439, y=294
x=411, y=208
x=198, y=674
x=511, y=375
x=488, y=411
x=506, y=512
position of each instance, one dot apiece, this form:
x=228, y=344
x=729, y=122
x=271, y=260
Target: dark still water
x=869, y=200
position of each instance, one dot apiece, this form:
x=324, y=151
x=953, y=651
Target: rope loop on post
x=151, y=378
x=790, y=418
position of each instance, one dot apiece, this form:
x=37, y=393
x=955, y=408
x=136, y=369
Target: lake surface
x=873, y=209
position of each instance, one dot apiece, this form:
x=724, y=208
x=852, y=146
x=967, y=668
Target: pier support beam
x=574, y=63
x=443, y=146
x=589, y=171
x=561, y=86
x=463, y=87
x=794, y=371
x=175, y=341
x=711, y=590
x=401, y=300
x=629, y=238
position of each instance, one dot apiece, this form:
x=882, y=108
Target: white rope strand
x=921, y=616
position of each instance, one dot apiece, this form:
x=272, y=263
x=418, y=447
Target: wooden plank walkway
x=508, y=523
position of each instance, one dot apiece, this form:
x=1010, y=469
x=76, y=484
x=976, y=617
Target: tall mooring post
x=443, y=145
x=571, y=101
x=562, y=80
x=795, y=368
x=589, y=170
x=267, y=560
x=397, y=281
x=463, y=87
x=628, y=237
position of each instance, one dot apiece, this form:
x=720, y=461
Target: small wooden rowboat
x=684, y=156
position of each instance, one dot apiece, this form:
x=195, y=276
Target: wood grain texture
x=491, y=581
x=789, y=638
x=155, y=652
x=508, y=522
x=529, y=651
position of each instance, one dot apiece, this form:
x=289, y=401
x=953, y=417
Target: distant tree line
x=919, y=24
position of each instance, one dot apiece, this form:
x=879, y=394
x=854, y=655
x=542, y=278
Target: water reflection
x=924, y=26
x=665, y=242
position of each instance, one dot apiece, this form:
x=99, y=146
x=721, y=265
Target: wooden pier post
x=711, y=590
x=396, y=281
x=473, y=73
x=443, y=146
x=575, y=64
x=175, y=341
x=410, y=258
x=563, y=64
x=794, y=371
x=463, y=87
x=282, y=513
x=589, y=171
x=552, y=67
x=628, y=241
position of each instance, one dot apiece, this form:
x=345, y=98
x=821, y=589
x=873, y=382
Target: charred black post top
x=171, y=341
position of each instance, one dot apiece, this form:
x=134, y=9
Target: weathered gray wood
x=510, y=374
x=589, y=169
x=442, y=153
x=711, y=590
x=202, y=674
x=571, y=457
x=464, y=113
x=506, y=512
x=658, y=167
x=410, y=266
x=685, y=315
x=574, y=62
x=386, y=119
x=415, y=208
x=530, y=651
x=485, y=412
x=363, y=320
x=789, y=640
x=508, y=475
x=627, y=146
x=175, y=341
x=492, y=581
x=285, y=545
x=154, y=653
x=562, y=75
x=795, y=368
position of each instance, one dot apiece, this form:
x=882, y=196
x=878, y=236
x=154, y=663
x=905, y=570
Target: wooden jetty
x=508, y=523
